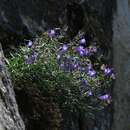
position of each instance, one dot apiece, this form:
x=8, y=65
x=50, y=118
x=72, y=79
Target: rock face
x=23, y=17
x=9, y=115
x=121, y=45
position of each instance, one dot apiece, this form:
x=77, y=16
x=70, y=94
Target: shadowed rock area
x=30, y=17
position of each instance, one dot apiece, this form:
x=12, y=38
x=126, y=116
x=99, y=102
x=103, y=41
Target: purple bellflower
x=104, y=97
x=34, y=56
x=89, y=66
x=51, y=33
x=91, y=73
x=30, y=59
x=58, y=59
x=27, y=60
x=64, y=47
x=107, y=71
x=61, y=66
x=82, y=41
x=113, y=76
x=89, y=93
x=81, y=51
x=29, y=43
x=82, y=69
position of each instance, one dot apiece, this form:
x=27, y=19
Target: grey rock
x=9, y=115
x=121, y=61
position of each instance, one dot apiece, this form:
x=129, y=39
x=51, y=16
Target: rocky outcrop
x=9, y=115
x=23, y=17
x=29, y=17
x=121, y=46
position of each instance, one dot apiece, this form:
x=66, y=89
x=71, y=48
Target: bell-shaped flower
x=104, y=97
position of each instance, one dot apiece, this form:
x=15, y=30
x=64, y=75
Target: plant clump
x=71, y=72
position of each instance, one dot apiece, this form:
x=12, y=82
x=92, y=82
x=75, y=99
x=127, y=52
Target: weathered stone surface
x=9, y=115
x=23, y=17
x=121, y=45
